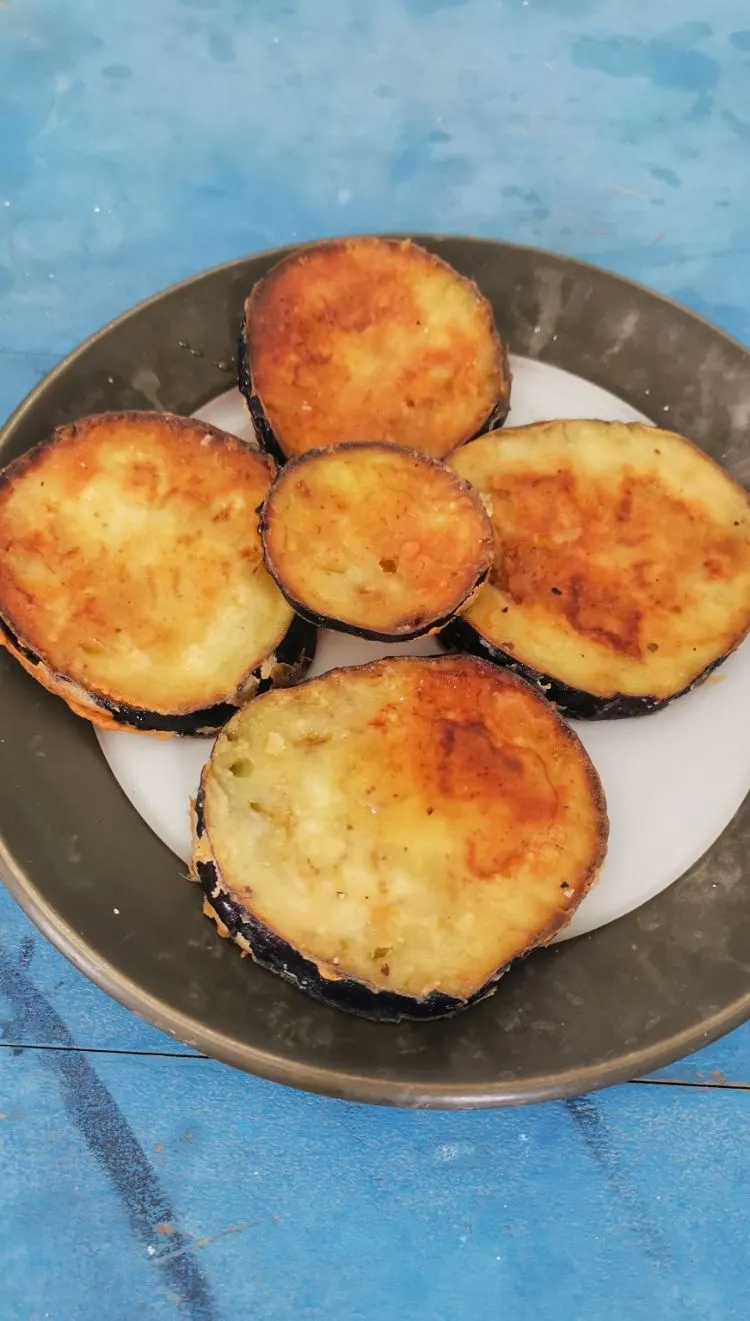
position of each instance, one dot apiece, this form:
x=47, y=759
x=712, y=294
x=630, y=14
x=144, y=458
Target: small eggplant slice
x=375, y=540
x=389, y=837
x=132, y=581
x=370, y=338
x=622, y=564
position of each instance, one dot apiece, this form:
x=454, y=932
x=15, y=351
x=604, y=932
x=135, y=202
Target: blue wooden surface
x=140, y=141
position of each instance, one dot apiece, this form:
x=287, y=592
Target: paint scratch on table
x=158, y=1258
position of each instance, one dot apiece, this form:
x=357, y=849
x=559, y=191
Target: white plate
x=673, y=780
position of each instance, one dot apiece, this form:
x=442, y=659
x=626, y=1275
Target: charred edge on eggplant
x=460, y=636
x=271, y=952
x=263, y=429
x=291, y=658
x=368, y=634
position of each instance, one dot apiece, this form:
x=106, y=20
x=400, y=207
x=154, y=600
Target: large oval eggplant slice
x=622, y=563
x=370, y=338
x=375, y=540
x=389, y=837
x=131, y=573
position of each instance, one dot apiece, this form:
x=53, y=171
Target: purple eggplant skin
x=272, y=952
x=297, y=648
x=369, y=634
x=459, y=635
x=265, y=433
x=263, y=429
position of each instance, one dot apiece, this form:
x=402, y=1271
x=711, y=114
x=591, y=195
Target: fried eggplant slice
x=370, y=339
x=375, y=540
x=389, y=837
x=132, y=581
x=622, y=563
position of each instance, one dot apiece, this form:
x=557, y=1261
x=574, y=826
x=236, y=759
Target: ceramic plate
x=657, y=959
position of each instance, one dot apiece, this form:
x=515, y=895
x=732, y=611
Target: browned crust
x=396, y=629
x=70, y=431
x=272, y=334
x=613, y=614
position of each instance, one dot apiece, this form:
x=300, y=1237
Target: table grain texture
x=141, y=140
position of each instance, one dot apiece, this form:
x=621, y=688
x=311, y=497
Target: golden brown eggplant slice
x=375, y=540
x=132, y=580
x=622, y=563
x=389, y=837
x=370, y=339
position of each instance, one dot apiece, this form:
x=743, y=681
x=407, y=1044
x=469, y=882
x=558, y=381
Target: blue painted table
x=141, y=141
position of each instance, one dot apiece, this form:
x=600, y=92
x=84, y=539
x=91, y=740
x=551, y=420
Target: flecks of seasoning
x=340, y=894
x=385, y=969
x=653, y=646
x=556, y=591
x=504, y=610
x=657, y=452
x=430, y=811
